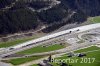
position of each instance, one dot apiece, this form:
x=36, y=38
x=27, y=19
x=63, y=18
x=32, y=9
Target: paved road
x=73, y=47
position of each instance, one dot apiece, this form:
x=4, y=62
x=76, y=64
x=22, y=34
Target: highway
x=40, y=41
x=81, y=29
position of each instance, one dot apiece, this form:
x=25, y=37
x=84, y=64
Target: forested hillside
x=20, y=18
x=3, y=3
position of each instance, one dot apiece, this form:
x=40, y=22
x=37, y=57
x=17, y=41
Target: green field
x=40, y=49
x=87, y=49
x=34, y=65
x=22, y=60
x=95, y=54
x=95, y=19
x=31, y=51
x=11, y=43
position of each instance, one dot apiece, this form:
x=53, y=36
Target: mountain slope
x=20, y=18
